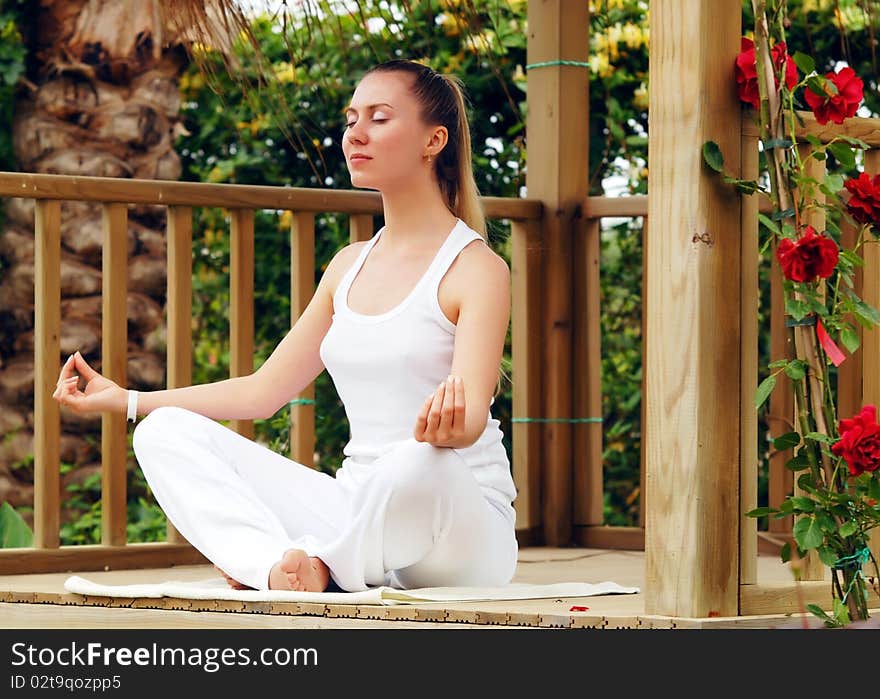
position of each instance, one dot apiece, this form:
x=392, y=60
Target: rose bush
x=835, y=503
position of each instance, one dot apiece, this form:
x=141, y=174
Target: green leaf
x=786, y=441
x=712, y=156
x=874, y=487
x=769, y=223
x=849, y=528
x=803, y=504
x=796, y=369
x=806, y=63
x=866, y=314
x=14, y=531
x=796, y=309
x=827, y=556
x=798, y=463
x=764, y=390
x=849, y=338
x=816, y=610
x=807, y=533
x=825, y=521
x=785, y=552
x=818, y=437
x=852, y=258
x=815, y=141
x=833, y=183
x=843, y=154
x=761, y=512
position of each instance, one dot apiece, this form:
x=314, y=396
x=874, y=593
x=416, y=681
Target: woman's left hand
x=441, y=419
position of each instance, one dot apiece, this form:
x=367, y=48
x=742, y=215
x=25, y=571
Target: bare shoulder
x=339, y=264
x=479, y=265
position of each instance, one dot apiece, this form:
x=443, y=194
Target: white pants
x=415, y=517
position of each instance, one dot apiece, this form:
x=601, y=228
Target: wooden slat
x=866, y=129
x=557, y=117
x=47, y=351
x=360, y=227
x=849, y=374
x=643, y=411
x=780, y=411
x=748, y=419
x=179, y=310
x=302, y=288
x=168, y=193
x=114, y=365
x=605, y=537
x=693, y=383
x=525, y=273
x=587, y=372
x=814, y=215
x=788, y=598
x=625, y=207
x=241, y=303
x=97, y=557
x=871, y=338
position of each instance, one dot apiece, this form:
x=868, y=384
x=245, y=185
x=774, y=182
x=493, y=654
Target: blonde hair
x=443, y=103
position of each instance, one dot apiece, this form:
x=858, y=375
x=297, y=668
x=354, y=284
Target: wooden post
x=871, y=338
x=360, y=227
x=525, y=349
x=302, y=288
x=178, y=320
x=694, y=299
x=47, y=351
x=241, y=303
x=589, y=493
x=748, y=574
x=557, y=127
x=114, y=366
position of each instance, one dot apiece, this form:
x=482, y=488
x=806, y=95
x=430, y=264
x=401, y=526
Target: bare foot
x=233, y=583
x=297, y=571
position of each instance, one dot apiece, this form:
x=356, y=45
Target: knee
x=421, y=470
x=157, y=426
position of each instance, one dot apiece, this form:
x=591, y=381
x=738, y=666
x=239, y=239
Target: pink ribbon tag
x=832, y=350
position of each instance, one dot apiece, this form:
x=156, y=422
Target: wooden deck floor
x=40, y=601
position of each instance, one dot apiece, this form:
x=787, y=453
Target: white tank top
x=384, y=366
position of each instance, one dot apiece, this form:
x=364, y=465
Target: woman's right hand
x=101, y=395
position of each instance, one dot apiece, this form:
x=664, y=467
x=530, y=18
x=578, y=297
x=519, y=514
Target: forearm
x=230, y=399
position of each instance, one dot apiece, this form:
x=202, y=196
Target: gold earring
x=430, y=158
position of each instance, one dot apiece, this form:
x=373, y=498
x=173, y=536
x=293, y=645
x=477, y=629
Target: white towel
x=217, y=588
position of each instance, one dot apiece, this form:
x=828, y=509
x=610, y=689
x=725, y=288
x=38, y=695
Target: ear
x=438, y=137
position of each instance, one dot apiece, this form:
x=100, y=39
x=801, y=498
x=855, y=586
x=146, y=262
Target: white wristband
x=132, y=405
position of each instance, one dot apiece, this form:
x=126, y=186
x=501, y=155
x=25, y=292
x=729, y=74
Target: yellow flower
x=285, y=221
x=600, y=65
x=284, y=72
x=640, y=97
x=632, y=35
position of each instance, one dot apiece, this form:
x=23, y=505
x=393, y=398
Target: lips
x=359, y=156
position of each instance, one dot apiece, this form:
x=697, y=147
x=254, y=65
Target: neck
x=415, y=218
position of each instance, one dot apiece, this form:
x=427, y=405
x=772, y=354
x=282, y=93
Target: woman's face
x=385, y=139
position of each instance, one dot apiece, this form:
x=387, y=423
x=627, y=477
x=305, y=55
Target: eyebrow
x=368, y=107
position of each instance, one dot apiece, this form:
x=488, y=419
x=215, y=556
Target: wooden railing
x=241, y=201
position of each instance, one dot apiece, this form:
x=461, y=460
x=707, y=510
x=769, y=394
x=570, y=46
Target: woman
x=411, y=327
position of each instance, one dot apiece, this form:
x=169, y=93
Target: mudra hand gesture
x=100, y=395
x=441, y=418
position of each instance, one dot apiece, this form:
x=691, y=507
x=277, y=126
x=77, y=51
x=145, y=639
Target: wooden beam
x=114, y=366
x=589, y=489
x=694, y=287
x=557, y=117
x=47, y=351
x=525, y=273
x=302, y=289
x=203, y=194
x=871, y=339
x=605, y=537
x=748, y=419
x=178, y=307
x=790, y=598
x=865, y=129
x=241, y=303
x=21, y=561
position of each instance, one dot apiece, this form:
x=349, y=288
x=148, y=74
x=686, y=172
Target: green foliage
x=14, y=531
x=12, y=66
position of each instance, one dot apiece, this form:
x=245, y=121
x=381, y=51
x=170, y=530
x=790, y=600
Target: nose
x=356, y=133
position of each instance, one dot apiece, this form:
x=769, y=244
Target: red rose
x=859, y=442
x=747, y=73
x=807, y=258
x=844, y=104
x=864, y=201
